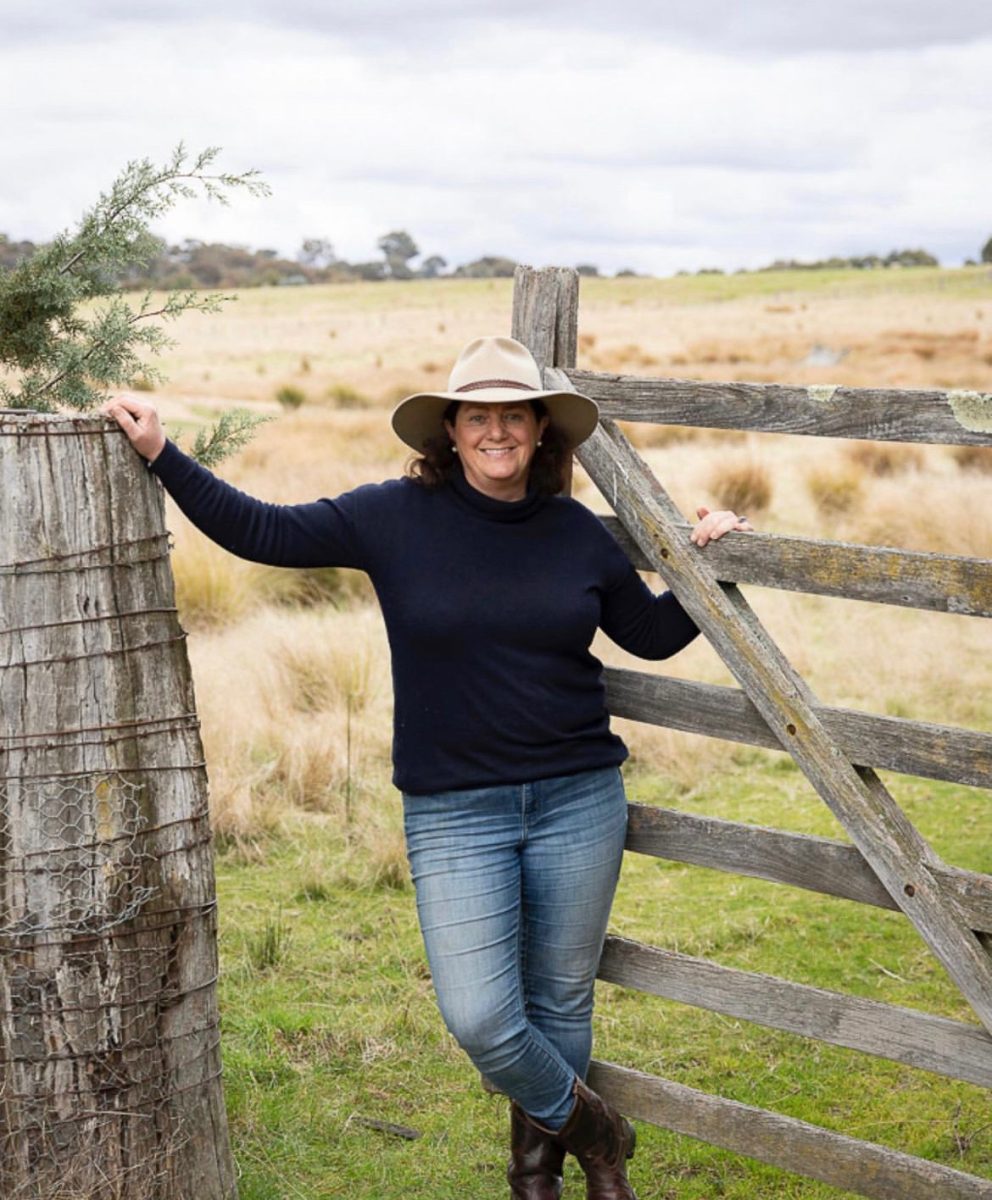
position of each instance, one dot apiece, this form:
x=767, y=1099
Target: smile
x=499, y=452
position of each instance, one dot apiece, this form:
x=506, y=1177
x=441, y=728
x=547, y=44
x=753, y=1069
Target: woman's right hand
x=140, y=422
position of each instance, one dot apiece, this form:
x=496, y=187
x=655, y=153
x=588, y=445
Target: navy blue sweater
x=490, y=609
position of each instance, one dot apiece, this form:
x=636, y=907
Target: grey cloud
x=761, y=27
x=801, y=158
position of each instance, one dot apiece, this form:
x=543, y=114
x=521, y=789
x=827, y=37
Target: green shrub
x=343, y=396
x=290, y=397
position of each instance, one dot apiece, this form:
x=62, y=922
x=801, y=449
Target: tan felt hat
x=493, y=370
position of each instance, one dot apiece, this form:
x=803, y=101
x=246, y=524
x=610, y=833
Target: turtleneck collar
x=487, y=507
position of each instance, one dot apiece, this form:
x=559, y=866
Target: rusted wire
x=48, y=432
x=109, y=1114
x=70, y=658
x=202, y=815
x=54, y=556
x=131, y=562
x=173, y=726
x=160, y=854
x=124, y=1085
x=196, y=766
x=162, y=998
x=117, y=1048
x=205, y=909
x=104, y=728
x=139, y=612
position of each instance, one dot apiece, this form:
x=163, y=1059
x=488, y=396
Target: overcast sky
x=651, y=134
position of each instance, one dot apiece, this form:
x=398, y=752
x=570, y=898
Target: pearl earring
x=454, y=448
x=539, y=442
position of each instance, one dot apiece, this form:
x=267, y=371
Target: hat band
x=495, y=383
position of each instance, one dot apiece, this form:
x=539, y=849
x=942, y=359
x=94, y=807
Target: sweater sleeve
x=320, y=534
x=642, y=623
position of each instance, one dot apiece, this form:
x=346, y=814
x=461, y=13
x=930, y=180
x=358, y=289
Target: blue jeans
x=514, y=887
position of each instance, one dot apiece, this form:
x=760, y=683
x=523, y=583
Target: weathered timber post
x=546, y=317
x=109, y=1045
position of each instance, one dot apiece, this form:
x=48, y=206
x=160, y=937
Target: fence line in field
x=887, y=863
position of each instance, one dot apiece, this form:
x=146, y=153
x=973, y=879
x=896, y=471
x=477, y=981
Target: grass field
x=332, y=1035
x=330, y=1025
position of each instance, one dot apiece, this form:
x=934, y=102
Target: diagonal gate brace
x=887, y=839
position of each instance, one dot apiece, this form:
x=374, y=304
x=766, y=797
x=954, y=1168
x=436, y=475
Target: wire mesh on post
x=109, y=1039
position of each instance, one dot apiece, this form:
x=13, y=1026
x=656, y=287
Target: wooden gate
x=887, y=863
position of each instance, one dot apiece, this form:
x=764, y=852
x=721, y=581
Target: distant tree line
x=857, y=262
x=196, y=264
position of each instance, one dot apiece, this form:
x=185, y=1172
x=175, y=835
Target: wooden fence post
x=109, y=1035
x=546, y=313
x=546, y=319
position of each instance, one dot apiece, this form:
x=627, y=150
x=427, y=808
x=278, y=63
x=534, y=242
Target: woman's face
x=496, y=443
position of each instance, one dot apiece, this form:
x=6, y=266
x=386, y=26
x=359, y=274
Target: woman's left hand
x=713, y=525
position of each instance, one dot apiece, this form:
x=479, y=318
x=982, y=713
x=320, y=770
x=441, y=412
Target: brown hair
x=548, y=467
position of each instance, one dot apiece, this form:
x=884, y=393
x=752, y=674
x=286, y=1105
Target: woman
x=492, y=587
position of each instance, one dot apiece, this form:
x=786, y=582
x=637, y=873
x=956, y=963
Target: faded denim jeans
x=514, y=887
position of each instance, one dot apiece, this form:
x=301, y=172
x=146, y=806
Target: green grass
x=330, y=1023
x=963, y=282
x=431, y=294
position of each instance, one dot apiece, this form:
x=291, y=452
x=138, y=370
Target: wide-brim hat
x=493, y=370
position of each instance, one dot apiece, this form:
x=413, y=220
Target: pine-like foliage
x=67, y=332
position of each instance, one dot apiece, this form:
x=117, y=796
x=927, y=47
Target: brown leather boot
x=602, y=1140
x=535, y=1167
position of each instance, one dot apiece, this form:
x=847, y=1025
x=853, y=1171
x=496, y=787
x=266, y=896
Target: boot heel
x=602, y=1140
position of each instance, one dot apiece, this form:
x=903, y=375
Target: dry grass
x=744, y=486
x=835, y=490
x=296, y=711
x=294, y=691
x=927, y=517
x=885, y=458
x=645, y=435
x=973, y=458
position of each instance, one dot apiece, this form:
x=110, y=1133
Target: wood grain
x=904, y=1035
x=816, y=864
x=876, y=414
x=109, y=1029
x=833, y=1158
x=911, y=579
x=894, y=743
x=896, y=851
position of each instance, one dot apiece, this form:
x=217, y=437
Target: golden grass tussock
x=973, y=458
x=715, y=351
x=836, y=489
x=340, y=395
x=931, y=345
x=644, y=434
x=212, y=587
x=742, y=485
x=930, y=517
x=296, y=712
x=215, y=588
x=886, y=458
